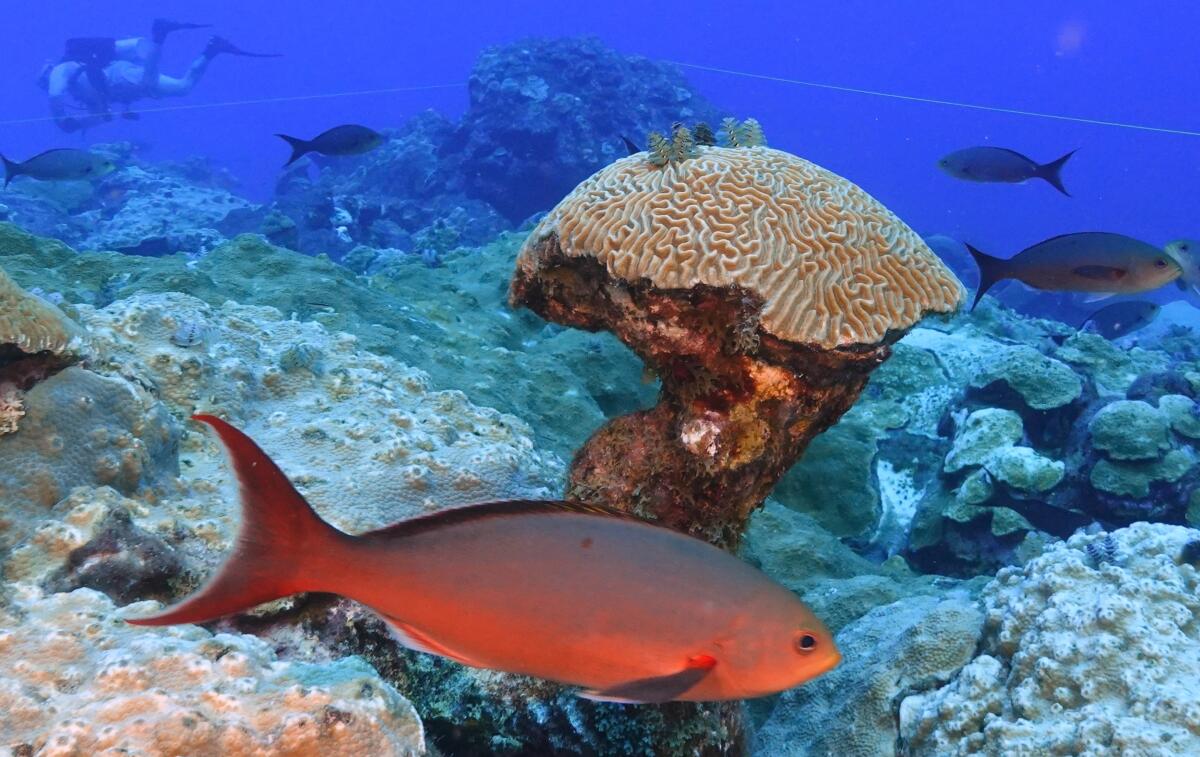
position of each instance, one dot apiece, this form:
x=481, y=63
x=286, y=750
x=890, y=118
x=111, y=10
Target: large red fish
x=626, y=610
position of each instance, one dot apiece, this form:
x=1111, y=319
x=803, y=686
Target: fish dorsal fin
x=1100, y=272
x=414, y=638
x=468, y=513
x=658, y=689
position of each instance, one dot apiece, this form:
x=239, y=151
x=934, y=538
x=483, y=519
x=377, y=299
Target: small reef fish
x=1090, y=261
x=626, y=610
x=998, y=164
x=1121, y=318
x=347, y=139
x=63, y=164
x=1186, y=253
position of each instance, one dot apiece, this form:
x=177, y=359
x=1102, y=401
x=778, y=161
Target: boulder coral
x=80, y=681
x=762, y=290
x=1091, y=648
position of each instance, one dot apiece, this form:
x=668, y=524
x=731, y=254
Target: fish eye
x=806, y=642
x=1160, y=263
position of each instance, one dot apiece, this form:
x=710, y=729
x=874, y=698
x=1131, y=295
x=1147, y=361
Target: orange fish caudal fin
x=279, y=529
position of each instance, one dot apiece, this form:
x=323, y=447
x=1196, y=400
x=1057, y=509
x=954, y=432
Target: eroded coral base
x=737, y=406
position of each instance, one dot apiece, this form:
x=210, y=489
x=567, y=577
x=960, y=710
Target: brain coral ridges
x=845, y=275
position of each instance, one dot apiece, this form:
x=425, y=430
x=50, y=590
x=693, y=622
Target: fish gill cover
x=1000, y=513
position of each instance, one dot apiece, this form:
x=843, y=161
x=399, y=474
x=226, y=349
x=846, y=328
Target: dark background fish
x=347, y=139
x=1121, y=318
x=64, y=164
x=1091, y=261
x=999, y=164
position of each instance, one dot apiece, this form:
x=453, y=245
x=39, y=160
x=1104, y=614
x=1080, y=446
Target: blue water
x=1102, y=61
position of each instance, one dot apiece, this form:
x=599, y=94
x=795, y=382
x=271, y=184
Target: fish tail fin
x=1051, y=172
x=299, y=148
x=281, y=545
x=991, y=270
x=11, y=170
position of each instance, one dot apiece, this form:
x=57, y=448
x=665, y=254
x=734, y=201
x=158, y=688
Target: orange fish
x=625, y=610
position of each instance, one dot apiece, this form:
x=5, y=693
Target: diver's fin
x=655, y=690
x=164, y=26
x=11, y=170
x=1052, y=171
x=299, y=148
x=991, y=270
x=414, y=638
x=279, y=532
x=1100, y=272
x=630, y=145
x=220, y=45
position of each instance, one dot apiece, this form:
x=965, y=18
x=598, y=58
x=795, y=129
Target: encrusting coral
x=761, y=288
x=1091, y=648
x=36, y=340
x=78, y=680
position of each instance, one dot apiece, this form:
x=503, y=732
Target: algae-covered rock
x=1044, y=383
x=1130, y=430
x=1133, y=478
x=982, y=434
x=1024, y=469
x=452, y=322
x=1113, y=368
x=1183, y=414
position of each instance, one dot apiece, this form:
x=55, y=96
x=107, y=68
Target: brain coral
x=79, y=681
x=1081, y=654
x=831, y=264
x=30, y=324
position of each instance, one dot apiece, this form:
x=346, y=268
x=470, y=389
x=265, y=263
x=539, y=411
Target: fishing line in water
x=934, y=101
x=681, y=64
x=257, y=101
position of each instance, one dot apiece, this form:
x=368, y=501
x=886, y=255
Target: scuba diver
x=96, y=72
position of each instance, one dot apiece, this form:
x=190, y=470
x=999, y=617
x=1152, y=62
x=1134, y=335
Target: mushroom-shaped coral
x=36, y=340
x=761, y=288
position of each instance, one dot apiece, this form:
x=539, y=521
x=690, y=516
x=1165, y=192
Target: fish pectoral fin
x=1100, y=272
x=414, y=638
x=655, y=690
x=1098, y=296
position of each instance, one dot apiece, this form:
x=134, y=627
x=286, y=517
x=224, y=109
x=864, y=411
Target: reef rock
x=79, y=680
x=888, y=653
x=1091, y=648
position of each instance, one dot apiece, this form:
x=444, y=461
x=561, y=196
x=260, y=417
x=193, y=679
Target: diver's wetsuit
x=98, y=71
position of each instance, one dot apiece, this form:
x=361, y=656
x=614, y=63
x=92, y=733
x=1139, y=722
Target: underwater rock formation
x=1079, y=655
x=80, y=428
x=79, y=680
x=544, y=114
x=914, y=644
x=451, y=322
x=753, y=363
x=36, y=340
x=142, y=208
